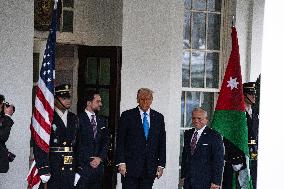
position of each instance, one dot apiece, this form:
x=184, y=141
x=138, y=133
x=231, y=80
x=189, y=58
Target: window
x=201, y=58
x=66, y=20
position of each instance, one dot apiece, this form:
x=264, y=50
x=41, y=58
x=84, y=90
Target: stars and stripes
x=44, y=102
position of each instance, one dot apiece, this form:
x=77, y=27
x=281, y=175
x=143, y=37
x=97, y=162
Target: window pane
x=181, y=145
x=68, y=3
x=104, y=93
x=198, y=31
x=199, y=5
x=185, y=69
x=67, y=21
x=187, y=4
x=197, y=69
x=104, y=71
x=214, y=5
x=207, y=103
x=192, y=100
x=212, y=70
x=213, y=37
x=186, y=30
x=182, y=109
x=91, y=72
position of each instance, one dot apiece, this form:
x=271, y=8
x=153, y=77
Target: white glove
x=77, y=177
x=44, y=178
x=237, y=167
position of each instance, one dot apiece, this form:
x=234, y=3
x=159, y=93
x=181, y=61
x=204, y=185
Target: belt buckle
x=66, y=149
x=68, y=160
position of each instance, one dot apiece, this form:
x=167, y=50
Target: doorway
x=100, y=69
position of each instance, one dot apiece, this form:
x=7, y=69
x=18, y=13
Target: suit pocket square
x=205, y=144
x=103, y=128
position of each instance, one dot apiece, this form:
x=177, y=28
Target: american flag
x=44, y=102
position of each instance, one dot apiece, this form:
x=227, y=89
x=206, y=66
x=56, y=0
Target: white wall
x=16, y=53
x=270, y=165
x=152, y=57
x=249, y=24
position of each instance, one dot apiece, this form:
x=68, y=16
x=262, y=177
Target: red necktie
x=94, y=124
x=193, y=142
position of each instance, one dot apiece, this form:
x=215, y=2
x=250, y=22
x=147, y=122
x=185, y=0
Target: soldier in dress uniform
x=252, y=122
x=57, y=169
x=235, y=160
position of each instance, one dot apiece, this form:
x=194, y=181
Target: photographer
x=6, y=123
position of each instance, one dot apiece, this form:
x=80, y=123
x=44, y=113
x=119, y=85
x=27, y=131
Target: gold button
x=62, y=168
x=71, y=169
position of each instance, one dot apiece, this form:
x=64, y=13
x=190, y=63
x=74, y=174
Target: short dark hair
x=2, y=98
x=89, y=95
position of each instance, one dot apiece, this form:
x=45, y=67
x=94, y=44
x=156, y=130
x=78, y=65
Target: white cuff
x=44, y=178
x=77, y=177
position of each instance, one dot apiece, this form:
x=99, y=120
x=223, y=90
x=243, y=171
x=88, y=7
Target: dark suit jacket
x=90, y=146
x=5, y=127
x=205, y=166
x=132, y=147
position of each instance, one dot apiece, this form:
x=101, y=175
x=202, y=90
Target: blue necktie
x=146, y=125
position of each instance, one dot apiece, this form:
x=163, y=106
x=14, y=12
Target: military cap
x=63, y=91
x=249, y=88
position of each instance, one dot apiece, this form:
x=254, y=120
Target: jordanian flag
x=230, y=115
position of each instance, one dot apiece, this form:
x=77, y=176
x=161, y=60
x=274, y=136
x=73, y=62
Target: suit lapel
x=152, y=124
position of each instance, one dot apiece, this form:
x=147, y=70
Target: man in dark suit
x=57, y=169
x=203, y=155
x=6, y=124
x=141, y=144
x=94, y=141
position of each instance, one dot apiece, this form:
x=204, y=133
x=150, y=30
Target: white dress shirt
x=62, y=115
x=199, y=132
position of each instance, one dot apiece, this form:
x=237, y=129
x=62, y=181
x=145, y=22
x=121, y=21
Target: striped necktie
x=193, y=142
x=94, y=125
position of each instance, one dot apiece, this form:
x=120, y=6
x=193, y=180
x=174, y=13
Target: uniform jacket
x=90, y=146
x=205, y=166
x=133, y=148
x=62, y=175
x=5, y=127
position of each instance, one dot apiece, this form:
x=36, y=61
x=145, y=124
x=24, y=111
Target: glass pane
x=104, y=71
x=212, y=70
x=67, y=21
x=182, y=109
x=197, y=69
x=214, y=24
x=68, y=3
x=91, y=70
x=192, y=100
x=104, y=93
x=214, y=5
x=207, y=104
x=185, y=69
x=198, y=31
x=186, y=29
x=187, y=4
x=199, y=5
x=181, y=145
